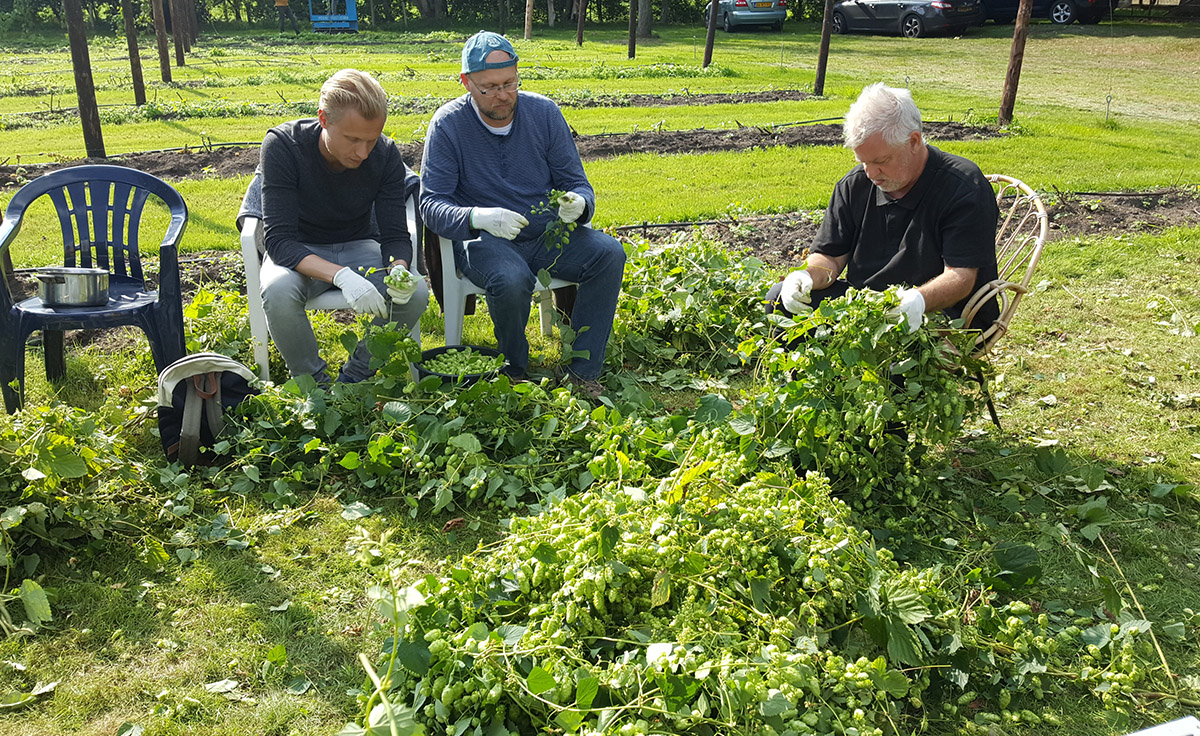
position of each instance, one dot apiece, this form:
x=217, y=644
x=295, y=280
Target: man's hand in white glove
x=498, y=221
x=571, y=206
x=796, y=293
x=912, y=308
x=362, y=295
x=401, y=284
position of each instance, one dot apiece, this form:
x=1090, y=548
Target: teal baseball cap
x=476, y=49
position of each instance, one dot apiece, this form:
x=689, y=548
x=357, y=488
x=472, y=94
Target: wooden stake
x=177, y=29
x=712, y=33
x=135, y=58
x=823, y=54
x=1015, y=58
x=581, y=13
x=85, y=89
x=633, y=12
x=160, y=33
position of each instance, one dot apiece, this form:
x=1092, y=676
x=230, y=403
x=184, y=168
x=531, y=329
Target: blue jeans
x=285, y=292
x=507, y=271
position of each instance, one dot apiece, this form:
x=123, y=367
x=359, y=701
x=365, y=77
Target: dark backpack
x=193, y=394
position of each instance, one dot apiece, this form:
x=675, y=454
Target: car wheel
x=839, y=24
x=1062, y=12
x=777, y=26
x=727, y=25
x=912, y=27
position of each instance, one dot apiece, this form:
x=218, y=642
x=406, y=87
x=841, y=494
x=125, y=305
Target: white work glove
x=912, y=308
x=571, y=206
x=796, y=293
x=498, y=221
x=362, y=295
x=401, y=295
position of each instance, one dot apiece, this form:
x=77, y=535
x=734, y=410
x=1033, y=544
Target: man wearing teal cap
x=491, y=156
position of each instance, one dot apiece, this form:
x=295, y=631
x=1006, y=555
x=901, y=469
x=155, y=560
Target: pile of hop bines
x=679, y=610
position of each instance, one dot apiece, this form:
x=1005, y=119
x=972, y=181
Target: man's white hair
x=881, y=109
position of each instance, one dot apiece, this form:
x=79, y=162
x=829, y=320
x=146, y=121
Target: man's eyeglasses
x=495, y=89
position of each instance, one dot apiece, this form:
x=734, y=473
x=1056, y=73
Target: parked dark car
x=734, y=13
x=912, y=18
x=1058, y=11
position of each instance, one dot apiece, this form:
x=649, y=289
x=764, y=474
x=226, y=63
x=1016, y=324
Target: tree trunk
x=550, y=11
x=160, y=33
x=177, y=24
x=645, y=17
x=1015, y=58
x=528, y=20
x=581, y=15
x=135, y=57
x=665, y=5
x=85, y=88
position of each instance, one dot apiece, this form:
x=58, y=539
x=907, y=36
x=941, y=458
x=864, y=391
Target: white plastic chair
x=456, y=288
x=252, y=253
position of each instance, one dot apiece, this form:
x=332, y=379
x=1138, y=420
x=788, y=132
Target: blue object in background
x=332, y=21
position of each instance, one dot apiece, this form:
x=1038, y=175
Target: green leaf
x=760, y=593
x=298, y=685
x=539, y=681
x=1112, y=597
x=712, y=408
x=1019, y=565
x=893, y=681
x=610, y=536
x=1099, y=635
x=466, y=442
x=350, y=460
x=12, y=516
x=903, y=646
x=396, y=412
x=129, y=729
x=14, y=699
x=154, y=553
x=37, y=606
x=349, y=340
x=414, y=655
x=277, y=655
x=385, y=719
x=661, y=592
x=776, y=704
x=357, y=510
x=222, y=686
x=545, y=553
x=1175, y=631
x=905, y=603
x=587, y=689
x=570, y=720
x=511, y=634
x=67, y=464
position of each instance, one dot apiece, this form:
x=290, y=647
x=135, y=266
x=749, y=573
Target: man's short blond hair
x=350, y=89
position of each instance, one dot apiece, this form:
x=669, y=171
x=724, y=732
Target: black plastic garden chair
x=100, y=210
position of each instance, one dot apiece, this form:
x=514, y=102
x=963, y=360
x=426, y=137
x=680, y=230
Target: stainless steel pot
x=72, y=287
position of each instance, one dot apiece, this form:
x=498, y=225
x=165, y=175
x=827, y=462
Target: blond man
x=333, y=191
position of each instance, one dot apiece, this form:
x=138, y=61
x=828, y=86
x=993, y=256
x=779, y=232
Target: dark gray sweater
x=304, y=201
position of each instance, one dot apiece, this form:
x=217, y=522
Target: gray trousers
x=285, y=292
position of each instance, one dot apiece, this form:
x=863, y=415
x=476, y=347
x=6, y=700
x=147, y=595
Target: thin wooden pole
x=712, y=34
x=633, y=10
x=135, y=57
x=823, y=54
x=160, y=33
x=582, y=13
x=1015, y=58
x=85, y=89
x=177, y=29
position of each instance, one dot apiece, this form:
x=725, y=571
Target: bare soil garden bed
x=230, y=161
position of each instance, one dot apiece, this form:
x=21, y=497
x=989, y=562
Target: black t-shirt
x=948, y=218
x=304, y=201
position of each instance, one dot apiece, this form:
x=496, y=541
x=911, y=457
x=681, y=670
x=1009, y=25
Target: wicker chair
x=1019, y=241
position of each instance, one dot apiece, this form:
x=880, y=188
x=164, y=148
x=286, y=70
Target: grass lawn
x=265, y=585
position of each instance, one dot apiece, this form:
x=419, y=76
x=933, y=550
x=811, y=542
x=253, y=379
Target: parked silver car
x=734, y=13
